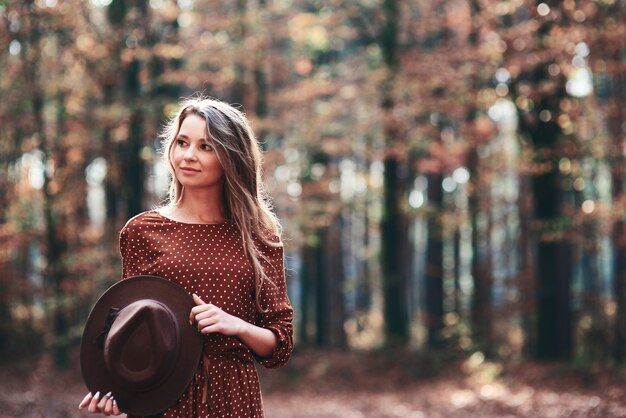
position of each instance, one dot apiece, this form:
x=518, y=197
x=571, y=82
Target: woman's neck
x=198, y=208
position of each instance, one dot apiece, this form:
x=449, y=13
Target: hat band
x=101, y=338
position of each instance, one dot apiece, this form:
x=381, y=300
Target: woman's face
x=194, y=158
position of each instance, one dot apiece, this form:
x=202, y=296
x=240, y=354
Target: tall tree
x=394, y=219
x=133, y=165
x=46, y=40
x=479, y=203
x=608, y=55
x=55, y=246
x=553, y=251
x=433, y=274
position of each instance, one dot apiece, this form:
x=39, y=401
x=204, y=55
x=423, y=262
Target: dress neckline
x=159, y=214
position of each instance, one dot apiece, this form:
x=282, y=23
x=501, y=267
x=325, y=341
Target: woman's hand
x=210, y=319
x=95, y=405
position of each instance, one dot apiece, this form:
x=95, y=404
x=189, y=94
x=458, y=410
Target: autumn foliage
x=450, y=174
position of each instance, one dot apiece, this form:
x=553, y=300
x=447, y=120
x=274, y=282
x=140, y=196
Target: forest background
x=450, y=176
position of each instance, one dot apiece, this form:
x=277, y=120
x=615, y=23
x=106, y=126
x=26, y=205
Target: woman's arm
x=210, y=318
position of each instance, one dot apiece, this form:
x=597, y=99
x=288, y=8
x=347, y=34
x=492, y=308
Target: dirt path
x=320, y=384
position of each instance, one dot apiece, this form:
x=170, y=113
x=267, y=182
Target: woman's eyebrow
x=187, y=137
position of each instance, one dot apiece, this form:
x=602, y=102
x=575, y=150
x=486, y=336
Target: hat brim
x=93, y=367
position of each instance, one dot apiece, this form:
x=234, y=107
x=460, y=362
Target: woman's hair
x=246, y=203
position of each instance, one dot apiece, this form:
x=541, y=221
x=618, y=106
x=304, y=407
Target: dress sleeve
x=131, y=250
x=278, y=315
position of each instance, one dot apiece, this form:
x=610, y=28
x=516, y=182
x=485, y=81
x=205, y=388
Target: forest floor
x=334, y=384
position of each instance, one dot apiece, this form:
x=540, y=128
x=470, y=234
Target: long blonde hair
x=246, y=203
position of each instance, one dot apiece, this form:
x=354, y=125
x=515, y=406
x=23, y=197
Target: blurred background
x=450, y=176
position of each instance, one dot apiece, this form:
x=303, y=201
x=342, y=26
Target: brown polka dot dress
x=208, y=260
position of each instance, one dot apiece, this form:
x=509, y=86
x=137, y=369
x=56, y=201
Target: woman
x=218, y=238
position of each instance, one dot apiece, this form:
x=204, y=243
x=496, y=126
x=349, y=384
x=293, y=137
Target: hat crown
x=141, y=348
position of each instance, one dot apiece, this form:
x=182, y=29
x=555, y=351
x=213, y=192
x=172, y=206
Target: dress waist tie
x=241, y=355
x=205, y=388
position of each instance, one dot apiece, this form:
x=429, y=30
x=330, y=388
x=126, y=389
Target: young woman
x=218, y=238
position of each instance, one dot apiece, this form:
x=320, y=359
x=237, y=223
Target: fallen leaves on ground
x=344, y=384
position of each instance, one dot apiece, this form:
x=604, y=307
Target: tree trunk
x=238, y=89
x=434, y=263
x=112, y=179
x=553, y=251
x=316, y=300
x=307, y=292
x=619, y=287
x=618, y=233
x=481, y=267
x=394, y=239
x=336, y=279
x=132, y=175
x=322, y=303
x=551, y=225
x=394, y=234
x=527, y=276
x=479, y=204
x=134, y=171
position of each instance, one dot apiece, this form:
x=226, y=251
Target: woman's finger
x=197, y=299
x=201, y=311
x=93, y=405
x=83, y=404
x=195, y=311
x=198, y=309
x=103, y=401
x=200, y=306
x=207, y=322
x=206, y=314
x=108, y=407
x=116, y=409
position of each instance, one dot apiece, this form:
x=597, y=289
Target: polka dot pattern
x=208, y=260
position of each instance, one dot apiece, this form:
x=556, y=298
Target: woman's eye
x=180, y=142
x=207, y=147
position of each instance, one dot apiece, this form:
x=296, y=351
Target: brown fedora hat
x=139, y=345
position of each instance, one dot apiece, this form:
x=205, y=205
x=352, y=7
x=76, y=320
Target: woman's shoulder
x=141, y=220
x=267, y=239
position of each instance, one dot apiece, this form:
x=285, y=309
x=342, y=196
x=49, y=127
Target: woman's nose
x=190, y=153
